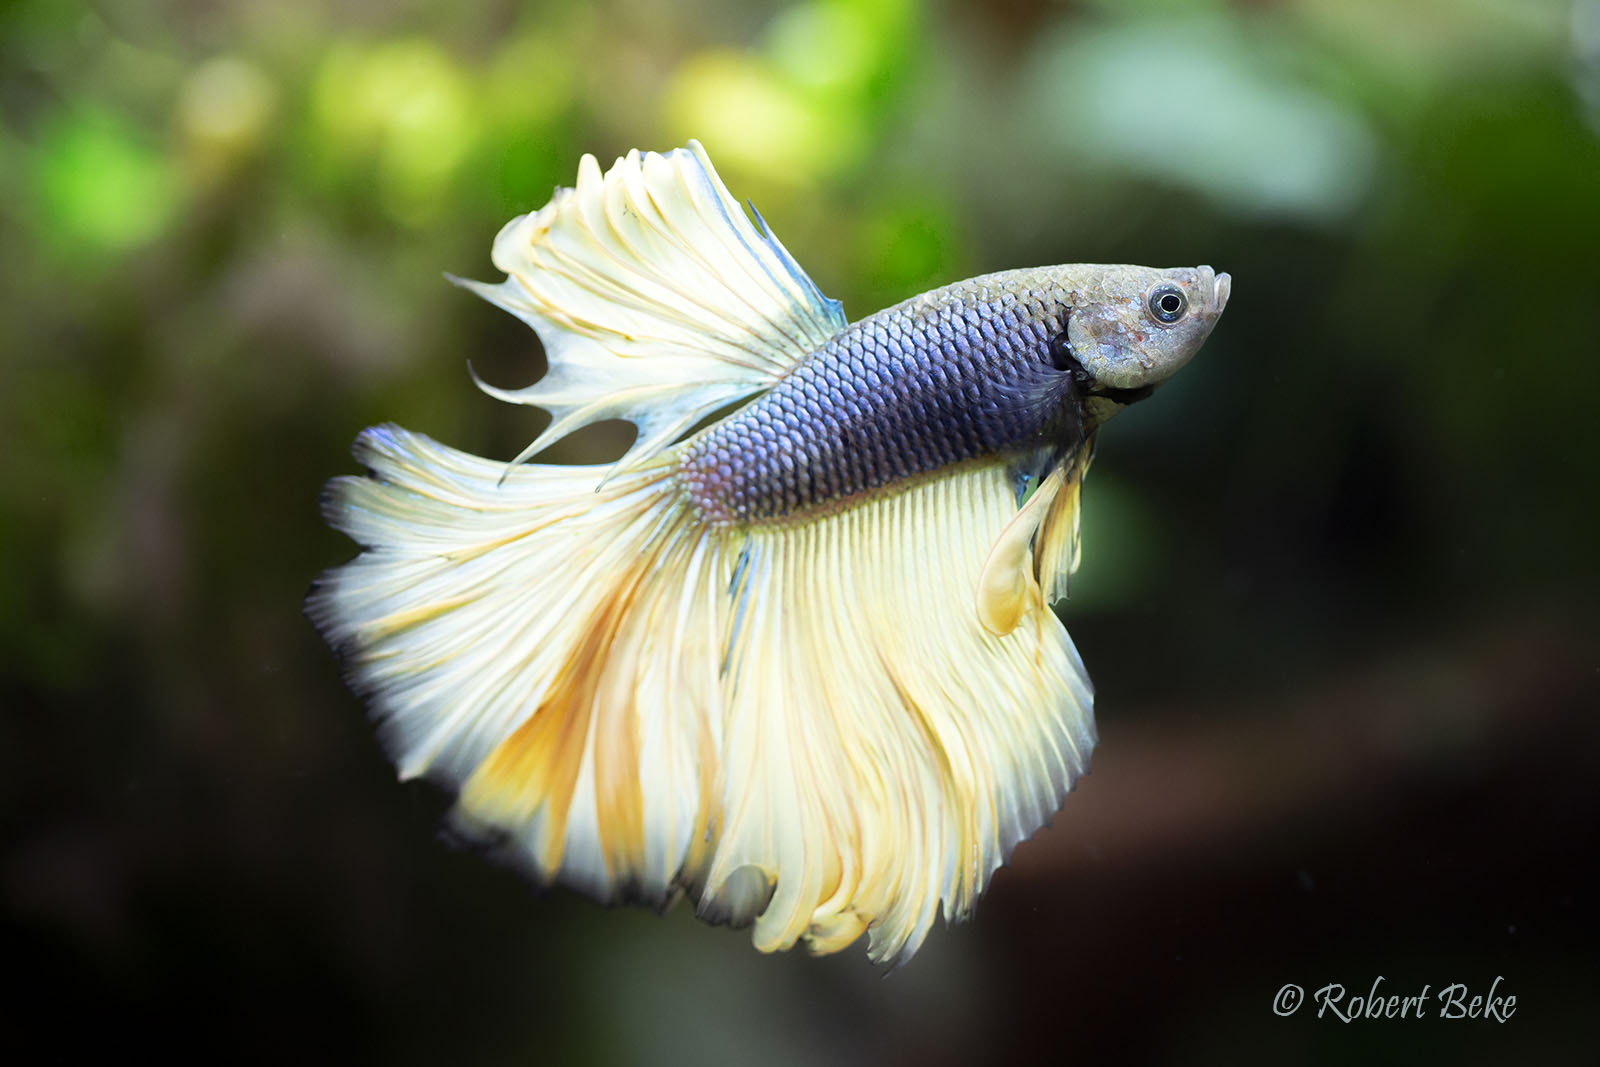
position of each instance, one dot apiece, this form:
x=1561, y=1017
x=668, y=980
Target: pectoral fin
x=1058, y=547
x=1004, y=582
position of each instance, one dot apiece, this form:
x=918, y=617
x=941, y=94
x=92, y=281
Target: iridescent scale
x=954, y=374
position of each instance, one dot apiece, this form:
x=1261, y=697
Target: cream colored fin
x=557, y=654
x=884, y=751
x=1058, y=548
x=499, y=631
x=1007, y=579
x=658, y=300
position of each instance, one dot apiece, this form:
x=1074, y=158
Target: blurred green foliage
x=222, y=233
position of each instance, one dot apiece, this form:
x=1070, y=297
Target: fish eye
x=1167, y=304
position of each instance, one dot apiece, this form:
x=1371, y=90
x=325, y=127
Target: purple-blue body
x=956, y=373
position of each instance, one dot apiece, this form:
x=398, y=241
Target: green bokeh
x=99, y=187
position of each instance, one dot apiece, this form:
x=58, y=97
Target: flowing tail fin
x=804, y=726
x=518, y=636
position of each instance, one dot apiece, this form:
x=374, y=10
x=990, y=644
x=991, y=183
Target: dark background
x=1339, y=582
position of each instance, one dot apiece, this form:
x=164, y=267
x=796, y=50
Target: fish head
x=1131, y=328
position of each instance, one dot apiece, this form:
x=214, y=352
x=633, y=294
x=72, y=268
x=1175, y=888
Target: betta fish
x=798, y=662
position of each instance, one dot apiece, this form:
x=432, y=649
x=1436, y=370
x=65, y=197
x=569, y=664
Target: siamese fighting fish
x=798, y=663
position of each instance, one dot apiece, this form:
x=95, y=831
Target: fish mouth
x=1222, y=285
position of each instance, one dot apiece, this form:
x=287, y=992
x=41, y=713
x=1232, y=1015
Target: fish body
x=799, y=665
x=962, y=372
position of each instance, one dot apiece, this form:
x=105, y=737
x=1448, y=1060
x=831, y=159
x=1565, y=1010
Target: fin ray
x=874, y=752
x=657, y=299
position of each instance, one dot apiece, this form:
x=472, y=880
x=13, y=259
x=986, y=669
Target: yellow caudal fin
x=657, y=299
x=806, y=725
x=510, y=635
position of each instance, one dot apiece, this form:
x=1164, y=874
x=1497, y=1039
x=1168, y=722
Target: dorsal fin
x=657, y=299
